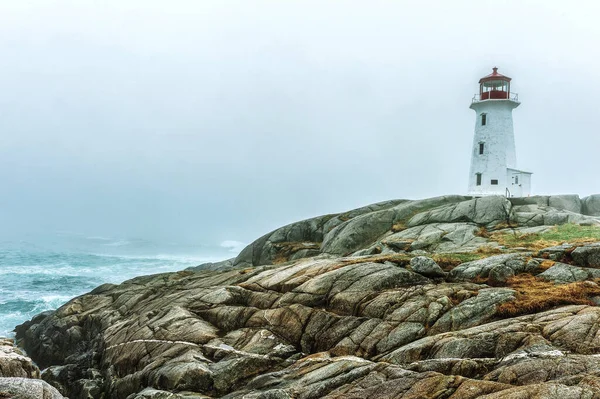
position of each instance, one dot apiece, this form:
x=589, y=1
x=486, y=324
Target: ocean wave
x=35, y=280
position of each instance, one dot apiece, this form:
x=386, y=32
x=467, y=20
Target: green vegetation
x=571, y=233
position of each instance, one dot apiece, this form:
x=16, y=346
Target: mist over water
x=43, y=276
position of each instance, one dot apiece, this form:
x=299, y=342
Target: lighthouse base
x=515, y=183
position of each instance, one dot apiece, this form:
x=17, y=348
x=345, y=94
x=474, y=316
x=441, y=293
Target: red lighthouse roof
x=494, y=76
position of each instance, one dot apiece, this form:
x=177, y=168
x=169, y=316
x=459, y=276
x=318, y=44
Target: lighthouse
x=493, y=154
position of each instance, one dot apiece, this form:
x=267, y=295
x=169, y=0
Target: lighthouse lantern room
x=493, y=158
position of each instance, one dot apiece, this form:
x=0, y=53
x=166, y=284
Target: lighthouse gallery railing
x=495, y=95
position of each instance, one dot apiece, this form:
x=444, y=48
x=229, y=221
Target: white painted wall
x=519, y=182
x=499, y=147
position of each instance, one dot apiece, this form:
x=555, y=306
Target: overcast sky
x=213, y=120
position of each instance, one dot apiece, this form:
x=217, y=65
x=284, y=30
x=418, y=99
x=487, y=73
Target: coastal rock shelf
x=450, y=297
x=19, y=377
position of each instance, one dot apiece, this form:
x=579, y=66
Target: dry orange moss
x=535, y=295
x=488, y=250
x=571, y=233
x=287, y=249
x=446, y=261
x=397, y=227
x=546, y=264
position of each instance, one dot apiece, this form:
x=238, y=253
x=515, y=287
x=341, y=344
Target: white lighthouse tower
x=493, y=156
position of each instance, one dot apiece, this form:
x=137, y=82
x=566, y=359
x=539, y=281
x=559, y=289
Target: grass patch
x=571, y=233
x=536, y=295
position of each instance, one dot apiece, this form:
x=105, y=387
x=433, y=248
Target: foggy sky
x=213, y=120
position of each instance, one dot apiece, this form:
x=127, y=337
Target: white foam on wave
x=38, y=281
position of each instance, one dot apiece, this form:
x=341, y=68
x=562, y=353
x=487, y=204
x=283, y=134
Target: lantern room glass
x=494, y=89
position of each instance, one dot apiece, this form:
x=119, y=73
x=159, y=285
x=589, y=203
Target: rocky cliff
x=449, y=297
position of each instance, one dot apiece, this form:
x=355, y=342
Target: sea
x=38, y=275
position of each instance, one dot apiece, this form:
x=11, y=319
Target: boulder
x=364, y=230
x=265, y=250
x=27, y=388
x=587, y=255
x=556, y=253
x=570, y=203
x=501, y=273
x=13, y=363
x=483, y=267
x=438, y=237
x=473, y=311
x=426, y=267
x=539, y=200
x=591, y=205
x=533, y=215
x=358, y=233
x=151, y=393
x=564, y=273
x=486, y=211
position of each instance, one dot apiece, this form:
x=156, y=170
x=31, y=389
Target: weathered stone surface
x=571, y=203
x=27, y=388
x=361, y=231
x=223, y=265
x=438, y=237
x=540, y=200
x=587, y=255
x=501, y=273
x=13, y=363
x=481, y=211
x=591, y=205
x=295, y=316
x=483, y=267
x=556, y=253
x=426, y=267
x=473, y=311
x=563, y=273
x=151, y=393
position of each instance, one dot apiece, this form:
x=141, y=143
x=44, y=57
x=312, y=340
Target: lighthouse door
x=516, y=185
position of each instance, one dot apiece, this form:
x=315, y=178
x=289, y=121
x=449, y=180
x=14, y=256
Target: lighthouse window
x=481, y=146
x=478, y=179
x=516, y=179
x=483, y=119
x=494, y=182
